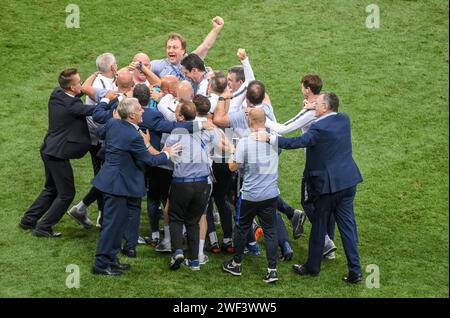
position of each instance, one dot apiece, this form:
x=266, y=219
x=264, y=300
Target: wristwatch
x=223, y=98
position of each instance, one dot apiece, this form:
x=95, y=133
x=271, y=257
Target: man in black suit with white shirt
x=67, y=138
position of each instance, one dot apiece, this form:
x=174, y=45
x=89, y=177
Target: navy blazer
x=153, y=120
x=120, y=175
x=68, y=135
x=329, y=163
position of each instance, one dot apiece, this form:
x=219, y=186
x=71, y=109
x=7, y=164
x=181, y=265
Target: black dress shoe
x=352, y=278
x=303, y=271
x=119, y=266
x=26, y=226
x=109, y=271
x=44, y=233
x=129, y=253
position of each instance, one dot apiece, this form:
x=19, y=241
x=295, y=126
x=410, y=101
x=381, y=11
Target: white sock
x=166, y=233
x=155, y=235
x=252, y=243
x=81, y=206
x=271, y=269
x=201, y=246
x=213, y=238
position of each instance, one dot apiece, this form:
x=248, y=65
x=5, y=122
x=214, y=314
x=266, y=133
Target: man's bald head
x=257, y=118
x=185, y=91
x=169, y=84
x=124, y=79
x=141, y=57
x=140, y=77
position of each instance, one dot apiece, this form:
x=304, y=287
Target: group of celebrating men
x=195, y=140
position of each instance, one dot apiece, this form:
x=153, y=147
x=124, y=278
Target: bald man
x=259, y=195
x=169, y=84
x=142, y=71
x=181, y=92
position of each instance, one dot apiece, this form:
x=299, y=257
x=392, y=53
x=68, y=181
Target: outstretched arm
x=210, y=39
x=302, y=119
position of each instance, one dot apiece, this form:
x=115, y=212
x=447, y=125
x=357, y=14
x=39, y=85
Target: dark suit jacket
x=329, y=163
x=68, y=135
x=152, y=120
x=120, y=175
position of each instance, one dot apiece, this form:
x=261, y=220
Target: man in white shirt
x=238, y=79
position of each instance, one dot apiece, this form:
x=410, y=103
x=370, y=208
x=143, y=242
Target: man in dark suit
x=159, y=179
x=330, y=180
x=122, y=181
x=67, y=138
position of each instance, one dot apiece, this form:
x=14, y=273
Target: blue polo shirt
x=259, y=164
x=193, y=161
x=163, y=68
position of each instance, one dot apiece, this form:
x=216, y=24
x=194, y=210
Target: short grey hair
x=127, y=107
x=105, y=61
x=331, y=100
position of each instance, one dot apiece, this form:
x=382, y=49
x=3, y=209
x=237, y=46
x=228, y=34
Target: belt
x=180, y=180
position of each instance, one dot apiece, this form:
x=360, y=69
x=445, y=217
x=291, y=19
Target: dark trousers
x=266, y=212
x=282, y=232
x=339, y=205
x=158, y=182
x=285, y=208
x=188, y=201
x=116, y=214
x=131, y=234
x=58, y=193
x=219, y=194
x=94, y=194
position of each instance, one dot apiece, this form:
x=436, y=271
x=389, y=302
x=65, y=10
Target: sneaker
x=252, y=249
x=271, y=277
x=97, y=224
x=176, y=260
x=214, y=248
x=80, y=217
x=164, y=247
x=153, y=242
x=297, y=223
x=332, y=255
x=193, y=264
x=329, y=248
x=141, y=240
x=203, y=259
x=232, y=269
x=228, y=247
x=287, y=252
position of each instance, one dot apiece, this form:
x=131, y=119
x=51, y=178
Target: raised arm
x=210, y=39
x=239, y=95
x=87, y=88
x=221, y=117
